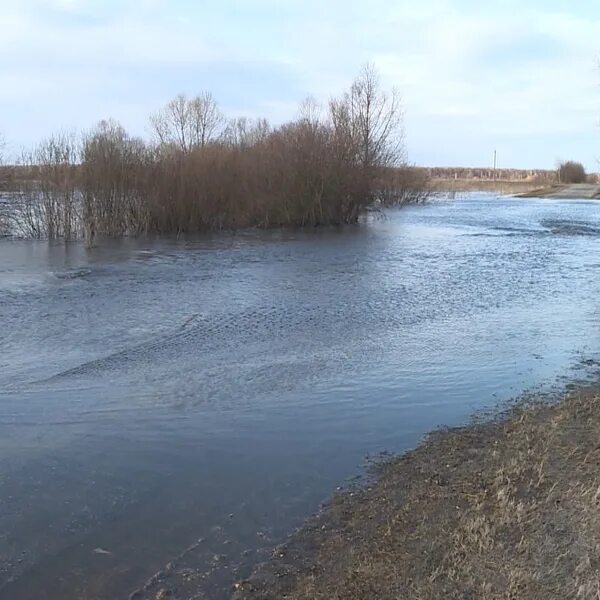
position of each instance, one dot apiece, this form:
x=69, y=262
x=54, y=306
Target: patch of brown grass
x=500, y=186
x=509, y=509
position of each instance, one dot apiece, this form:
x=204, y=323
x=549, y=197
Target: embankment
x=508, y=508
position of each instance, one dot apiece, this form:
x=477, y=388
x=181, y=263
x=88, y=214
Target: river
x=179, y=406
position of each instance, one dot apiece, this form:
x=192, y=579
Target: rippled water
x=191, y=401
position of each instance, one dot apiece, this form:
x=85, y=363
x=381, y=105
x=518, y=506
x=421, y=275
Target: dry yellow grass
x=508, y=509
x=499, y=186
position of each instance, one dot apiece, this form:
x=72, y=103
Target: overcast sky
x=474, y=75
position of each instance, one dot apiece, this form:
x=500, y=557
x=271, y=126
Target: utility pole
x=495, y=162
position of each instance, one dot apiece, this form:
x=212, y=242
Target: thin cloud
x=472, y=76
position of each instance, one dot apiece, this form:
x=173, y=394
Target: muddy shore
x=506, y=508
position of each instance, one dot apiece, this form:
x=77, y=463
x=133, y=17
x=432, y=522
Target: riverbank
x=508, y=508
x=576, y=191
x=505, y=187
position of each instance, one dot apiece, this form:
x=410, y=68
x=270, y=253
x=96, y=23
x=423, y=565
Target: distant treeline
x=566, y=172
x=486, y=173
x=203, y=172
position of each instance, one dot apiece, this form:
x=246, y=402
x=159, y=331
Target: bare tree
x=171, y=124
x=311, y=112
x=377, y=117
x=206, y=120
x=368, y=124
x=245, y=132
x=373, y=118
x=188, y=123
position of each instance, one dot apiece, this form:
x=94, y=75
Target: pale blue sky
x=474, y=75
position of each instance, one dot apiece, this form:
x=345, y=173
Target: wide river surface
x=179, y=406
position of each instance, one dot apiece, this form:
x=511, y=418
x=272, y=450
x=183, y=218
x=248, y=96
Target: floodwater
x=179, y=406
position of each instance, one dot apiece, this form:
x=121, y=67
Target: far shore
x=521, y=188
x=503, y=508
x=582, y=191
x=501, y=186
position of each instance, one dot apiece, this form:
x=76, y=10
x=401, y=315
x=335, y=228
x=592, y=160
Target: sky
x=520, y=77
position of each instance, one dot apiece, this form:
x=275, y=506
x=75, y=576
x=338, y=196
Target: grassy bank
x=499, y=186
x=503, y=509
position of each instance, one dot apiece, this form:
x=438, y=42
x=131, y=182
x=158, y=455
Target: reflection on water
x=188, y=402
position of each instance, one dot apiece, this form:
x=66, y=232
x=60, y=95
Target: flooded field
x=179, y=406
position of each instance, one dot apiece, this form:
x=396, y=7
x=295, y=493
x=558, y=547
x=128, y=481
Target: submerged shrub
x=201, y=172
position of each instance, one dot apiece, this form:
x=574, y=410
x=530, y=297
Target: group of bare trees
x=204, y=172
x=188, y=123
x=571, y=172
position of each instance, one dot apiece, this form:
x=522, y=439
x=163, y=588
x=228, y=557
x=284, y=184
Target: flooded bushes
x=202, y=172
x=112, y=168
x=47, y=205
